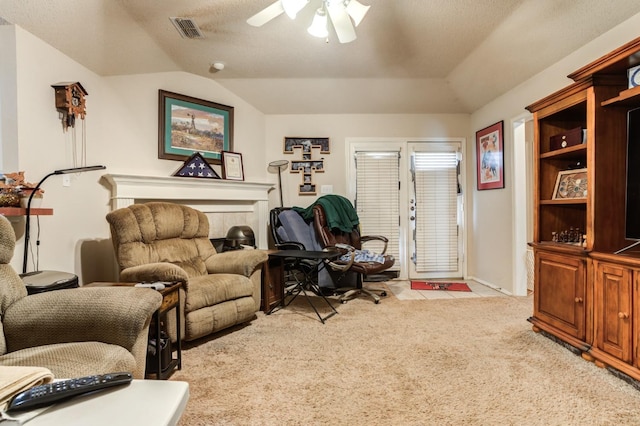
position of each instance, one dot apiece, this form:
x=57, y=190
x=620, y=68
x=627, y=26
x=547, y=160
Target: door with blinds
x=410, y=192
x=435, y=217
x=378, y=198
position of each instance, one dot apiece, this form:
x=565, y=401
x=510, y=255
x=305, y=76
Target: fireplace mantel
x=207, y=195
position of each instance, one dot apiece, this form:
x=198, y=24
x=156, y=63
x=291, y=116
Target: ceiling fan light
x=318, y=27
x=356, y=10
x=292, y=7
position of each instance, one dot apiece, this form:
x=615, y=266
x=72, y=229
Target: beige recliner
x=160, y=241
x=73, y=332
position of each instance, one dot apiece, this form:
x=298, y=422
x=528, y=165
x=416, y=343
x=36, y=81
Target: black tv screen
x=632, y=230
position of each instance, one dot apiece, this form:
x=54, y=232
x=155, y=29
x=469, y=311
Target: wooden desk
x=170, y=300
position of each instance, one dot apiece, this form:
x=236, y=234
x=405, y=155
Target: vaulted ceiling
x=411, y=56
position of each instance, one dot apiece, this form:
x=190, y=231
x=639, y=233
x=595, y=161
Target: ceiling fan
x=345, y=15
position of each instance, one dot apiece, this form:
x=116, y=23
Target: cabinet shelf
x=19, y=211
x=556, y=247
x=586, y=295
x=565, y=202
x=627, y=98
x=566, y=153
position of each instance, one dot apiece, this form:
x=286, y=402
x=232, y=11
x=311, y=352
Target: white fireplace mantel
x=207, y=195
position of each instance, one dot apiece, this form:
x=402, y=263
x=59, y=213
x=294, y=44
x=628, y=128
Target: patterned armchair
x=160, y=241
x=73, y=332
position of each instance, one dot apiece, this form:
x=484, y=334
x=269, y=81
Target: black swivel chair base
x=350, y=293
x=353, y=293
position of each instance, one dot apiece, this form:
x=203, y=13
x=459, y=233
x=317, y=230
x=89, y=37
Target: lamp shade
x=279, y=166
x=292, y=7
x=318, y=27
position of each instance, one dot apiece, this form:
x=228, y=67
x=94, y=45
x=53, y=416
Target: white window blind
x=436, y=228
x=378, y=199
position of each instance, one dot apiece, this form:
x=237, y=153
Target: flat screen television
x=632, y=222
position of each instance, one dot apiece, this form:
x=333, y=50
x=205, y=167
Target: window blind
x=378, y=198
x=436, y=227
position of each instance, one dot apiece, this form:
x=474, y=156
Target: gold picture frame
x=187, y=125
x=571, y=185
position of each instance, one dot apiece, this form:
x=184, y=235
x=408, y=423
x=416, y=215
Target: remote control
x=155, y=286
x=39, y=396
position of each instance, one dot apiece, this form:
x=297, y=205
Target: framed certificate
x=232, y=166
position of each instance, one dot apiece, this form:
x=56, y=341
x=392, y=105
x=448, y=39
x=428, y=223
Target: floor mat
x=437, y=285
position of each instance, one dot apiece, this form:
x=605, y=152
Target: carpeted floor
x=444, y=362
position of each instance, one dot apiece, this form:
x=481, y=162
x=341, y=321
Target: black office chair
x=290, y=235
x=335, y=237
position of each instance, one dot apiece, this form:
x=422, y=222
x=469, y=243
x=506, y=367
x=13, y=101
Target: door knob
x=623, y=315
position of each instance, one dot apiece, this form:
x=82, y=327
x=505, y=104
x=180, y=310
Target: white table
x=142, y=402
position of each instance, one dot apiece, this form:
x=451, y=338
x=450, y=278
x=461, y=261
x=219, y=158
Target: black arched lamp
x=28, y=209
x=279, y=166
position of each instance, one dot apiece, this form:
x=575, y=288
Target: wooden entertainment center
x=585, y=295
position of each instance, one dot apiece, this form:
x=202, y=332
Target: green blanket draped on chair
x=339, y=211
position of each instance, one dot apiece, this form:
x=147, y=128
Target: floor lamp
x=28, y=209
x=280, y=166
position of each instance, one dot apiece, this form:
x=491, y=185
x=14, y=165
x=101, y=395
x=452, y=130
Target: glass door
x=435, y=210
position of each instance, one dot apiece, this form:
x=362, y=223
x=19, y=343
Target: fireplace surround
x=226, y=203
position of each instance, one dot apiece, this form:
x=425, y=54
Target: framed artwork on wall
x=571, y=184
x=232, y=167
x=306, y=144
x=490, y=157
x=188, y=125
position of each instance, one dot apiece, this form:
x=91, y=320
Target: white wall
x=491, y=253
x=340, y=127
x=8, y=107
x=122, y=134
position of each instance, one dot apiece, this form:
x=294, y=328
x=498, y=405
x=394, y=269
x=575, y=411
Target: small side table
x=170, y=300
x=272, y=283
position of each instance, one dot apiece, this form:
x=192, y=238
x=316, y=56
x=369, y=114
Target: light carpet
x=445, y=362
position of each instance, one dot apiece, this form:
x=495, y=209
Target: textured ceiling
x=411, y=56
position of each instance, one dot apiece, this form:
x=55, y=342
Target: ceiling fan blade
x=341, y=22
x=266, y=14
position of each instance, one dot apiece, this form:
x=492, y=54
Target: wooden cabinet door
x=559, y=296
x=612, y=310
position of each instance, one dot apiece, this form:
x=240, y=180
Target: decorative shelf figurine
x=14, y=195
x=570, y=236
x=14, y=190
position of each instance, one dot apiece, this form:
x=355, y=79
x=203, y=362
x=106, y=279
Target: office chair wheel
x=376, y=301
x=383, y=294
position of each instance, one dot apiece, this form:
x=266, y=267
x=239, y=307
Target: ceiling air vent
x=187, y=27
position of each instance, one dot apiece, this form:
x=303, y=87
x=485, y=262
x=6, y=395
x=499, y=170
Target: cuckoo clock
x=70, y=102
